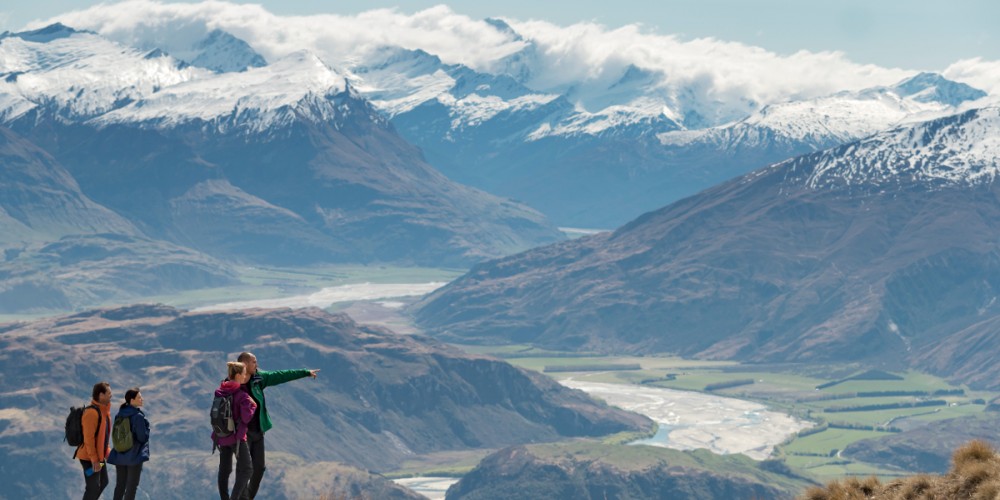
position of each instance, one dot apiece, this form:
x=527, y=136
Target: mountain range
x=881, y=250
x=280, y=163
x=598, y=155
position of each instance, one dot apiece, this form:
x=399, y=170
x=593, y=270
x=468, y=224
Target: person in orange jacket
x=94, y=450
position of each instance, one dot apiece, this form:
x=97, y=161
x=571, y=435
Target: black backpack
x=223, y=424
x=74, y=426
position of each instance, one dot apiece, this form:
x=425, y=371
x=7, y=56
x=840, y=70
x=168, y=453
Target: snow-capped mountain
x=957, y=150
x=78, y=75
x=83, y=77
x=221, y=52
x=398, y=81
x=297, y=87
x=826, y=121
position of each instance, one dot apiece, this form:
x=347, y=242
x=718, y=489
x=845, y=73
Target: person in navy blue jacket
x=128, y=464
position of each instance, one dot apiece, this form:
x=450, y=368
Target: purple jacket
x=243, y=408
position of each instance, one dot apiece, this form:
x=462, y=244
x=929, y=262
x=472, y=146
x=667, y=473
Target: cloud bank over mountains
x=582, y=60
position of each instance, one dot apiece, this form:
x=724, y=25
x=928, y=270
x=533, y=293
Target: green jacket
x=262, y=379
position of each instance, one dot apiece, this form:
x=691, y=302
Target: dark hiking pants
x=96, y=482
x=243, y=470
x=127, y=481
x=256, y=443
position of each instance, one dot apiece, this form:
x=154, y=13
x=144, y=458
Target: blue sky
x=912, y=34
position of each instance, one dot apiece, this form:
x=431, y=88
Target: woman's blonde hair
x=235, y=368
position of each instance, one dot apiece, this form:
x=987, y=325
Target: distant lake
x=690, y=420
x=327, y=296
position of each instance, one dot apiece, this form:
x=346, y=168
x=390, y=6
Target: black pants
x=127, y=481
x=243, y=469
x=96, y=482
x=256, y=443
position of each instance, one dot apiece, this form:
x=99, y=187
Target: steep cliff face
x=379, y=399
x=589, y=471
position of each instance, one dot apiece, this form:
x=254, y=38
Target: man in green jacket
x=261, y=422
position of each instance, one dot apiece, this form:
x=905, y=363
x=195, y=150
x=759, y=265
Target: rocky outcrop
x=588, y=471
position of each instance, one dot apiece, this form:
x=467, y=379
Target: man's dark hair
x=244, y=357
x=100, y=388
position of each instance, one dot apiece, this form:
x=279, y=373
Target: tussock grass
x=975, y=474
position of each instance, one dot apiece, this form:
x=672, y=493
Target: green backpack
x=121, y=434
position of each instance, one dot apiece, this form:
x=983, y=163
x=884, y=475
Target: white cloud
x=978, y=73
x=724, y=78
x=710, y=69
x=336, y=38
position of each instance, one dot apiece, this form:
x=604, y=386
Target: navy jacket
x=140, y=439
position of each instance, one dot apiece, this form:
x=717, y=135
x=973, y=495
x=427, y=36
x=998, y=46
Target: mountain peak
x=51, y=32
x=222, y=52
x=932, y=87
x=259, y=98
x=636, y=76
x=503, y=27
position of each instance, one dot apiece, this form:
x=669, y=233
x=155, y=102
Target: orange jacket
x=90, y=450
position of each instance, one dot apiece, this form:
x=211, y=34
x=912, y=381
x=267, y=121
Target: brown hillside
x=975, y=474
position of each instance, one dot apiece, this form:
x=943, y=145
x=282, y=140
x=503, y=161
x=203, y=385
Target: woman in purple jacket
x=236, y=443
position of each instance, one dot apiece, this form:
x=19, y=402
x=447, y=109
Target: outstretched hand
x=312, y=373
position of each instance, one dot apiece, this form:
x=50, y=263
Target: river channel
x=690, y=420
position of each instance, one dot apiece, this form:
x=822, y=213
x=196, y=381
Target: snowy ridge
x=297, y=86
x=82, y=77
x=79, y=75
x=474, y=109
x=839, y=118
x=647, y=118
x=962, y=149
x=397, y=80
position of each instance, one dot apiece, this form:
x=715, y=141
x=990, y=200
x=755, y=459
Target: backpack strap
x=97, y=428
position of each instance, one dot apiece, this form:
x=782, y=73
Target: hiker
x=261, y=422
x=94, y=450
x=242, y=407
x=128, y=463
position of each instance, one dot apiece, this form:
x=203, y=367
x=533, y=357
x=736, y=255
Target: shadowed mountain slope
x=61, y=249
